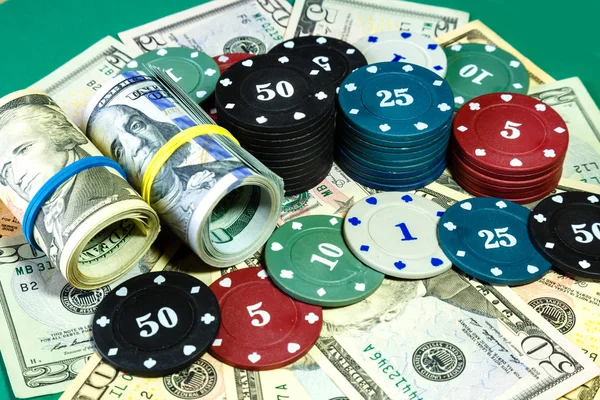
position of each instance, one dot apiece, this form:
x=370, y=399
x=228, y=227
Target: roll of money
x=213, y=195
x=94, y=227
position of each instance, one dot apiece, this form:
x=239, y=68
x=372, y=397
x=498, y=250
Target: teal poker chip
x=396, y=102
x=487, y=238
x=308, y=259
x=196, y=72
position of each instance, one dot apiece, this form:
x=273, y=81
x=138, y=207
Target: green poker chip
x=308, y=259
x=476, y=69
x=196, y=72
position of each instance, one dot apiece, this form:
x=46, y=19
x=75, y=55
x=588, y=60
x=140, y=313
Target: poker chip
x=396, y=46
x=262, y=328
x=156, y=324
x=476, y=69
x=487, y=238
x=396, y=234
x=334, y=56
x=565, y=228
x=196, y=72
x=390, y=138
x=508, y=145
x=308, y=259
x=224, y=61
x=281, y=109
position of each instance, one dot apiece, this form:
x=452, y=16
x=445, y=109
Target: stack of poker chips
x=281, y=109
x=393, y=126
x=508, y=145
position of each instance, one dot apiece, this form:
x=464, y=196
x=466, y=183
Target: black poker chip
x=334, y=56
x=281, y=109
x=274, y=93
x=565, y=229
x=156, y=324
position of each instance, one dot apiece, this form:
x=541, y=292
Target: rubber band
x=54, y=183
x=166, y=151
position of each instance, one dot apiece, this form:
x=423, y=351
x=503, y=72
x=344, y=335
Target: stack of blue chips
x=394, y=124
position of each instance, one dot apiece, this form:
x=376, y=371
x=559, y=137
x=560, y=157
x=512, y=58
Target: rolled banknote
x=94, y=227
x=214, y=195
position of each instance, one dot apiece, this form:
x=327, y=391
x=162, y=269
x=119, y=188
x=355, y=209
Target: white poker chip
x=405, y=47
x=396, y=234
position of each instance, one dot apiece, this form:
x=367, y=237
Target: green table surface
x=40, y=35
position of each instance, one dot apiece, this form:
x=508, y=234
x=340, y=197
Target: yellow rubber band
x=166, y=151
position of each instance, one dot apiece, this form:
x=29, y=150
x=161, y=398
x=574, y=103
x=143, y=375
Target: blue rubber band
x=53, y=183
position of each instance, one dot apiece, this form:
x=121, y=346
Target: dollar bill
x=216, y=27
x=573, y=102
x=73, y=85
x=46, y=322
x=460, y=331
x=335, y=195
x=350, y=20
x=572, y=307
x=207, y=378
x=210, y=192
x=477, y=32
x=94, y=227
x=9, y=224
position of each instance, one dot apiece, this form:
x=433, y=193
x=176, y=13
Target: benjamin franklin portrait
x=132, y=138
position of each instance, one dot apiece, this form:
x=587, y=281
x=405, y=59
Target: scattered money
x=211, y=194
x=351, y=20
x=46, y=324
x=73, y=85
x=573, y=308
x=94, y=227
x=477, y=32
x=216, y=27
x=575, y=105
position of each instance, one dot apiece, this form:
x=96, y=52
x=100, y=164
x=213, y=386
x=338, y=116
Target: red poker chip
x=510, y=133
x=227, y=60
x=460, y=165
x=455, y=151
x=261, y=327
x=521, y=198
x=503, y=191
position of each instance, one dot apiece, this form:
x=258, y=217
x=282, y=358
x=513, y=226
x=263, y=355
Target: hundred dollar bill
x=94, y=227
x=217, y=27
x=9, y=224
x=477, y=32
x=73, y=85
x=573, y=308
x=573, y=102
x=46, y=322
x=215, y=196
x=351, y=20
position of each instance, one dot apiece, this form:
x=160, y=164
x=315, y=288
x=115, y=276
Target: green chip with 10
x=196, y=72
x=476, y=69
x=308, y=259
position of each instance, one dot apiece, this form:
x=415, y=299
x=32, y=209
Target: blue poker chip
x=379, y=140
x=399, y=186
x=416, y=151
x=396, y=102
x=487, y=238
x=392, y=157
x=390, y=171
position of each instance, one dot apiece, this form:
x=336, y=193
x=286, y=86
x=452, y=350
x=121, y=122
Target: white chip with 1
x=396, y=234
